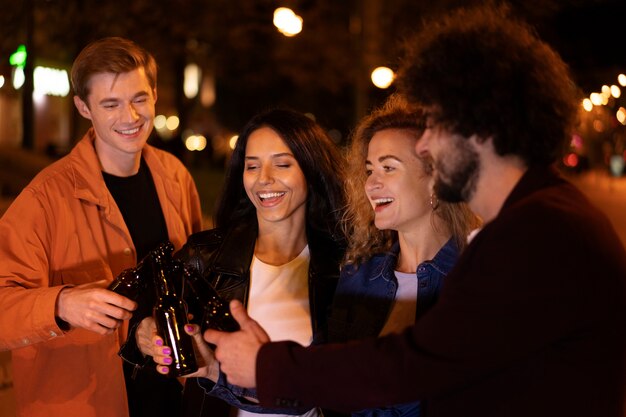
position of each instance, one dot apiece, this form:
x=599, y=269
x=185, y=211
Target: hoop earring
x=434, y=201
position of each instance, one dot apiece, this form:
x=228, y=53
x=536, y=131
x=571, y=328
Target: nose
x=372, y=183
x=130, y=114
x=266, y=174
x=421, y=146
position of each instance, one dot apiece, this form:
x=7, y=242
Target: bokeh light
x=382, y=77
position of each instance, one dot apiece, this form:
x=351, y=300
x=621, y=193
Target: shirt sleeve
x=27, y=300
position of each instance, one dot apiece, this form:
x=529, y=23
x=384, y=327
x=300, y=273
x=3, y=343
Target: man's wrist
x=58, y=316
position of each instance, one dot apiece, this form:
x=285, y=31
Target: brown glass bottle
x=213, y=309
x=170, y=313
x=132, y=281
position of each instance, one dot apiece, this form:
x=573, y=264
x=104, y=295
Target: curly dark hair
x=319, y=159
x=480, y=72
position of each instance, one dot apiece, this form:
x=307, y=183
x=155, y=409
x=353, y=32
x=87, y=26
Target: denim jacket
x=365, y=296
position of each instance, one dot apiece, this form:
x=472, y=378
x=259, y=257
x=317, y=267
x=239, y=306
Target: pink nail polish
x=159, y=342
x=167, y=351
x=165, y=369
x=167, y=360
x=189, y=328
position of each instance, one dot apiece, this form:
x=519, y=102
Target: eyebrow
x=276, y=155
x=115, y=100
x=383, y=158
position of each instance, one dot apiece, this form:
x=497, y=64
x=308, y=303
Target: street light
x=287, y=22
x=382, y=77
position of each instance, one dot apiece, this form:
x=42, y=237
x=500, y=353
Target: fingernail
x=189, y=328
x=165, y=369
x=167, y=351
x=167, y=360
x=159, y=342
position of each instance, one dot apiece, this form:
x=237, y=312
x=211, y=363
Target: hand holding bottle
x=170, y=314
x=92, y=307
x=208, y=366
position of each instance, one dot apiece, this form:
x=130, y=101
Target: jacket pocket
x=83, y=274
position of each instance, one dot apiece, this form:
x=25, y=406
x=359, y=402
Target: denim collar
x=443, y=261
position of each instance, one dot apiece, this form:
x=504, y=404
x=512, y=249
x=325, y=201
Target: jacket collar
x=89, y=184
x=443, y=260
x=447, y=256
x=235, y=253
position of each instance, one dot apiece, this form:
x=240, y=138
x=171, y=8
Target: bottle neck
x=163, y=271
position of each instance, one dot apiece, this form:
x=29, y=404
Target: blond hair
x=365, y=239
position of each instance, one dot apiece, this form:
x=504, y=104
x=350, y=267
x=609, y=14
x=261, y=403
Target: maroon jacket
x=530, y=322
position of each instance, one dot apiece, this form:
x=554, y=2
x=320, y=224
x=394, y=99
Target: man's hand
x=237, y=351
x=93, y=307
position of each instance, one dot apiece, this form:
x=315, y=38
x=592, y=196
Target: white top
x=279, y=302
x=404, y=306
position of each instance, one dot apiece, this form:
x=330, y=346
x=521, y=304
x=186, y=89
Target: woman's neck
x=419, y=246
x=279, y=243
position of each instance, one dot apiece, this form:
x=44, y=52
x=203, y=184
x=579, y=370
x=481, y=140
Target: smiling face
x=121, y=110
x=273, y=179
x=397, y=185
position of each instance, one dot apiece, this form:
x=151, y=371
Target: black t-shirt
x=138, y=201
x=149, y=394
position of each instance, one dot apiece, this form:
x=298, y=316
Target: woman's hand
x=208, y=367
x=145, y=335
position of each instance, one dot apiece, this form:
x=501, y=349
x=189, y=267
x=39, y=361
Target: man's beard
x=460, y=183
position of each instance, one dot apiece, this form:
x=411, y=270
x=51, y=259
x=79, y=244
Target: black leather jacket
x=223, y=258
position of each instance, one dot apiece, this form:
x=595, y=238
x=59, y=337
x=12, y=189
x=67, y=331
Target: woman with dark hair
x=403, y=240
x=276, y=247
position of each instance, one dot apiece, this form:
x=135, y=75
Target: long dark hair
x=319, y=159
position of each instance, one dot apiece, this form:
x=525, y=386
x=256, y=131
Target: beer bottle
x=214, y=310
x=132, y=282
x=170, y=313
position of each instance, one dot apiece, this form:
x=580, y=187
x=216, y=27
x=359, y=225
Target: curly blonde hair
x=365, y=239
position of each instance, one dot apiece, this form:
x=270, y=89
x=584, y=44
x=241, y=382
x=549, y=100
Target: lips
x=128, y=132
x=268, y=198
x=381, y=202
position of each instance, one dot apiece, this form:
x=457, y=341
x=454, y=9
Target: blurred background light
x=621, y=115
x=195, y=143
x=51, y=81
x=233, y=141
x=172, y=122
x=159, y=122
x=18, y=58
x=382, y=77
x=596, y=99
x=18, y=77
x=191, y=83
x=615, y=91
x=287, y=22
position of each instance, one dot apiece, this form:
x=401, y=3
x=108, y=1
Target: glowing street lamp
x=382, y=77
x=287, y=22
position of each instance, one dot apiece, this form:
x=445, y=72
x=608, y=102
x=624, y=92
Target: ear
x=82, y=107
x=154, y=94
